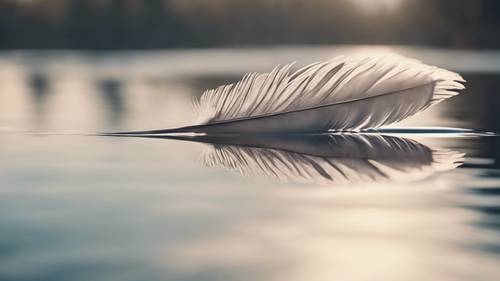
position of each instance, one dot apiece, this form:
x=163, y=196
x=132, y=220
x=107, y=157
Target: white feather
x=345, y=93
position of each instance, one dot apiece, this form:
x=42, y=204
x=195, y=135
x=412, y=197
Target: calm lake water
x=79, y=207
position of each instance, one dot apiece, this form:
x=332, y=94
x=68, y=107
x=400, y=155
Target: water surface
x=76, y=207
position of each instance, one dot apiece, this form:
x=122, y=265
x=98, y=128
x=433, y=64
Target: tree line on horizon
x=136, y=24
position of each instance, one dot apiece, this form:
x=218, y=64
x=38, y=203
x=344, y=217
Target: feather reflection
x=333, y=158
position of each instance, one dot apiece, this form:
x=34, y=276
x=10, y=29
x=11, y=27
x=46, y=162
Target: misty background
x=151, y=24
x=75, y=206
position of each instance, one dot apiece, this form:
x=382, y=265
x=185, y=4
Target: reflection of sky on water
x=129, y=209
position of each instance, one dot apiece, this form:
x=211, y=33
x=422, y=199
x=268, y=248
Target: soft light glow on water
x=136, y=208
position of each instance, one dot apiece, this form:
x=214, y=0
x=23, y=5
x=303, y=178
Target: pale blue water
x=75, y=207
